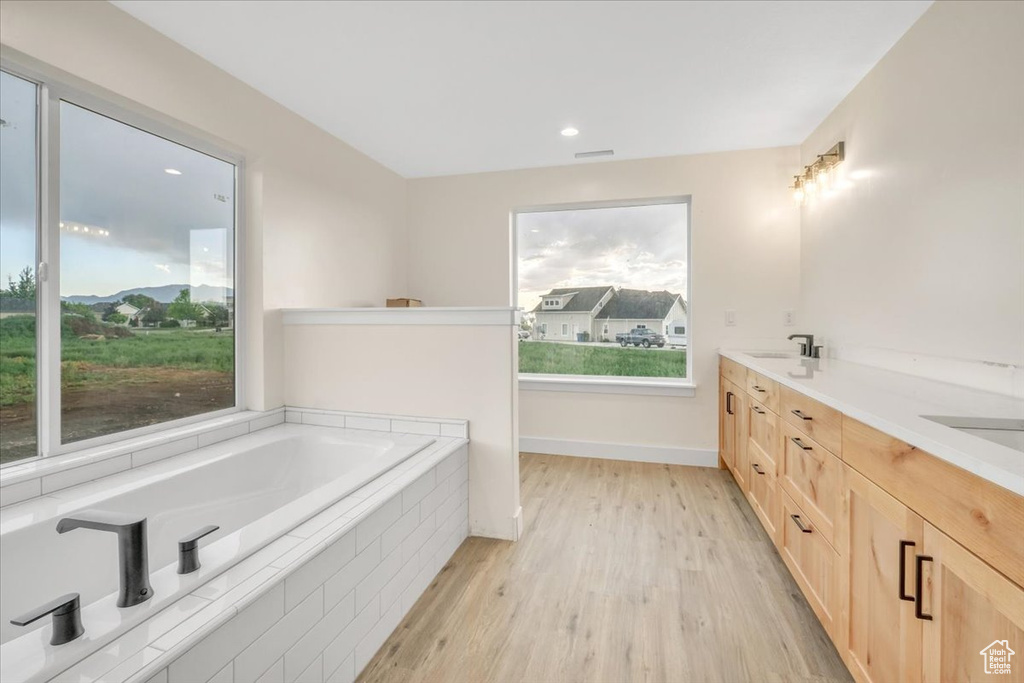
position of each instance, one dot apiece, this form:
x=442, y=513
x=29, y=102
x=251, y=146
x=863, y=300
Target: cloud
x=161, y=266
x=640, y=247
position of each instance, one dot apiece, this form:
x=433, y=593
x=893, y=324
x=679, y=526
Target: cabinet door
x=742, y=470
x=877, y=536
x=762, y=437
x=810, y=559
x=727, y=434
x=972, y=607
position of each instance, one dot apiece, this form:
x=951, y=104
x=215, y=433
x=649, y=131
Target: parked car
x=641, y=336
x=524, y=335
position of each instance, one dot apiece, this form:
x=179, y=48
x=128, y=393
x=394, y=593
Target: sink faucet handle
x=188, y=549
x=67, y=618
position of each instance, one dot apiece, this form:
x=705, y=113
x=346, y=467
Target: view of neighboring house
x=131, y=313
x=599, y=313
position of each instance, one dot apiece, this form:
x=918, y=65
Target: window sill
x=637, y=386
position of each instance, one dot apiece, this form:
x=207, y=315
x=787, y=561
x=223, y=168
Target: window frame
x=52, y=87
x=610, y=384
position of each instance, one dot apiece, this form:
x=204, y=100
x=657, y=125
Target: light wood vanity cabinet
x=912, y=565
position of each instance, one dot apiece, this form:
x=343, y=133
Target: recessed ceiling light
x=570, y=132
x=172, y=171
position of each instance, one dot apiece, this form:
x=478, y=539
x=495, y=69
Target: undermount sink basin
x=771, y=354
x=1007, y=432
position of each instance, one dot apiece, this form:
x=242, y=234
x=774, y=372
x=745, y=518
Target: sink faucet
x=132, y=553
x=806, y=348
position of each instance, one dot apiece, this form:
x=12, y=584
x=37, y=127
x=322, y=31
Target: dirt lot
x=128, y=398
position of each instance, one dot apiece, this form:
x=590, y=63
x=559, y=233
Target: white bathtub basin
x=255, y=487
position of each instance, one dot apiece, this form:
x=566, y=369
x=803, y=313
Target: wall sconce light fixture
x=819, y=175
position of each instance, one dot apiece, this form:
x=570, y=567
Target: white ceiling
x=438, y=88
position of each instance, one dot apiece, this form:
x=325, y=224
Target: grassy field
x=590, y=359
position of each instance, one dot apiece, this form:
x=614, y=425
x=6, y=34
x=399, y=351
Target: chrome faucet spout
x=132, y=550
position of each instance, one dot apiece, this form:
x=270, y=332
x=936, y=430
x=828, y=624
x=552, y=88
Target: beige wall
x=746, y=256
x=326, y=224
x=428, y=371
x=924, y=254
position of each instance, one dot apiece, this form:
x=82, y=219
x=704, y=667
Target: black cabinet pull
x=800, y=524
x=757, y=410
x=757, y=468
x=800, y=443
x=918, y=588
x=903, y=569
x=757, y=388
x=801, y=415
x=728, y=403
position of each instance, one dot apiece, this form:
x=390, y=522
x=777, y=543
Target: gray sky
x=137, y=225
x=638, y=247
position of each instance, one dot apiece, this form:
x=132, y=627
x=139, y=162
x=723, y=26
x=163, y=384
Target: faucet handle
x=188, y=549
x=67, y=618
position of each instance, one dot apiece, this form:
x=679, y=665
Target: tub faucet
x=132, y=552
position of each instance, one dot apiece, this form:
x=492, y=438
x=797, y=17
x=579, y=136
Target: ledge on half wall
x=668, y=455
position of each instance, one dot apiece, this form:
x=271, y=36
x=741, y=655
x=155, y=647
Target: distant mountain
x=165, y=294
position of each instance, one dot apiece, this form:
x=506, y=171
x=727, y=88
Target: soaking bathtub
x=255, y=487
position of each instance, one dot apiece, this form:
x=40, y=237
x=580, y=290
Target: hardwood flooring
x=625, y=572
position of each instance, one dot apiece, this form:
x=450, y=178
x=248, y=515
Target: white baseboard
x=698, y=457
x=519, y=522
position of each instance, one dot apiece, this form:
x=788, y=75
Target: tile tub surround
x=26, y=480
x=322, y=597
x=893, y=403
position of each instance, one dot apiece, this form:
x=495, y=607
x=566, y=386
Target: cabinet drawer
x=733, y=371
x=817, y=420
x=763, y=389
x=812, y=477
x=762, y=437
x=763, y=494
x=811, y=560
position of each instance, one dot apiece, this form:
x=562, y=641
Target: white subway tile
x=223, y=434
x=279, y=638
x=159, y=677
x=224, y=644
x=414, y=541
x=341, y=648
x=130, y=666
x=458, y=431
x=311, y=645
x=415, y=491
x=243, y=572
x=80, y=475
x=346, y=673
x=372, y=641
x=376, y=424
x=166, y=450
x=340, y=509
x=419, y=584
x=377, y=521
x=447, y=467
x=266, y=421
x=432, y=500
x=399, y=531
x=15, y=493
x=225, y=675
x=318, y=569
x=345, y=581
x=450, y=505
x=393, y=589
x=314, y=673
x=275, y=674
x=416, y=427
x=371, y=585
x=323, y=419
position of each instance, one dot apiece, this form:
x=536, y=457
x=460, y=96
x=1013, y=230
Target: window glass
x=608, y=269
x=147, y=230
x=18, y=230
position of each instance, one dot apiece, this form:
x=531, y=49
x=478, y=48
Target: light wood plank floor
x=626, y=572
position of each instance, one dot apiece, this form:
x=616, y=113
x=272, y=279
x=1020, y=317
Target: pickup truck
x=641, y=336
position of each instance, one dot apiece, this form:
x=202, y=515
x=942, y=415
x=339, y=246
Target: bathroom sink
x=771, y=354
x=1007, y=432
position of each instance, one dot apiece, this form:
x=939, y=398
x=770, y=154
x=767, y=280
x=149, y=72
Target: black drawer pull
x=757, y=410
x=757, y=468
x=800, y=524
x=801, y=415
x=800, y=443
x=918, y=588
x=903, y=569
x=728, y=403
x=758, y=389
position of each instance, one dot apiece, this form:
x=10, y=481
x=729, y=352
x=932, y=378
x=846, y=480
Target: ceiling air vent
x=597, y=153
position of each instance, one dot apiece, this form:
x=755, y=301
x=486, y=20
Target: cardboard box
x=404, y=303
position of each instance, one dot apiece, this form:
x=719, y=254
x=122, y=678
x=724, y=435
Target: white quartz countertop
x=894, y=403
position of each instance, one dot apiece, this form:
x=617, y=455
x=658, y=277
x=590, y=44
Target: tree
x=155, y=314
x=139, y=301
x=182, y=307
x=110, y=310
x=67, y=307
x=117, y=318
x=25, y=287
x=218, y=315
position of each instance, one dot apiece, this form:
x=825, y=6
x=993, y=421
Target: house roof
x=639, y=304
x=584, y=301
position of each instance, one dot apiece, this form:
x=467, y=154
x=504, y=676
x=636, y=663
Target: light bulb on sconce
x=824, y=177
x=798, y=190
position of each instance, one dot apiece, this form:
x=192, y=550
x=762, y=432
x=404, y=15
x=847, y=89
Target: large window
x=128, y=301
x=604, y=290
